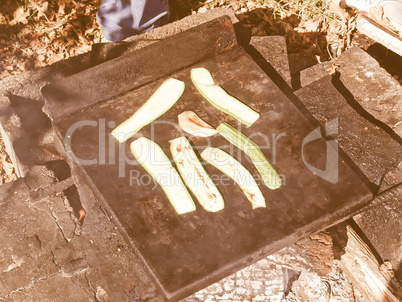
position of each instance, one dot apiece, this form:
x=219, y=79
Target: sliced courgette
x=194, y=175
x=158, y=165
x=161, y=101
x=236, y=171
x=192, y=124
x=269, y=176
x=203, y=81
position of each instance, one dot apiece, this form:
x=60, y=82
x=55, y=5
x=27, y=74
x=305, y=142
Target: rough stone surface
x=46, y=254
x=314, y=73
x=274, y=50
x=386, y=219
x=378, y=156
x=375, y=89
x=371, y=148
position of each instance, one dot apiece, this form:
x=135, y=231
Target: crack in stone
x=77, y=283
x=63, y=274
x=91, y=288
x=77, y=224
x=58, y=224
x=22, y=288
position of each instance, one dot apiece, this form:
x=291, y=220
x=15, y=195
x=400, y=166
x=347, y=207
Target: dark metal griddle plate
x=188, y=252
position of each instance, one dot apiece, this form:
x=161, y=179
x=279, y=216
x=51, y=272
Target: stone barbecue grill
x=89, y=95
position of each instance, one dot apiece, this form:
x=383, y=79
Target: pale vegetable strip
x=269, y=176
x=161, y=101
x=236, y=171
x=203, y=81
x=158, y=165
x=194, y=125
x=195, y=176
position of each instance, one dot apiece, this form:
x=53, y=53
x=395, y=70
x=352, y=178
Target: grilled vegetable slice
x=236, y=171
x=192, y=124
x=158, y=165
x=195, y=176
x=203, y=81
x=269, y=176
x=159, y=103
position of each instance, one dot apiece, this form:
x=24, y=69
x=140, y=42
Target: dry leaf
x=40, y=60
x=332, y=69
x=62, y=6
x=27, y=65
x=55, y=58
x=42, y=9
x=334, y=7
x=19, y=16
x=8, y=167
x=311, y=26
x=377, y=14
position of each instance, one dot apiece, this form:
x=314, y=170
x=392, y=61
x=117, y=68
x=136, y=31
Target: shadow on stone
x=62, y=171
x=336, y=81
x=34, y=125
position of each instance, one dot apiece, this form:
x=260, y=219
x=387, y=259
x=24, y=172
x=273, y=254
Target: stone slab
x=386, y=218
x=374, y=150
x=274, y=50
x=314, y=73
x=380, y=34
x=373, y=88
x=378, y=155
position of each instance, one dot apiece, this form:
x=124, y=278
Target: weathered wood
x=358, y=261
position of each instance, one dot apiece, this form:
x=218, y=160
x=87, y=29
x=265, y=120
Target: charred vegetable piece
x=236, y=171
x=158, y=165
x=195, y=176
x=192, y=124
x=269, y=176
x=159, y=103
x=203, y=81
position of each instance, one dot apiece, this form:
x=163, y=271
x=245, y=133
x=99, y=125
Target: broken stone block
x=385, y=218
x=274, y=50
x=373, y=88
x=47, y=254
x=315, y=73
x=371, y=148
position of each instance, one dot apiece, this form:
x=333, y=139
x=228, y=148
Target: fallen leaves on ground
x=42, y=32
x=309, y=26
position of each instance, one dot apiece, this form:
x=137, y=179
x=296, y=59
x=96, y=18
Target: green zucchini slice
x=236, y=171
x=158, y=104
x=269, y=176
x=203, y=81
x=191, y=123
x=194, y=175
x=158, y=165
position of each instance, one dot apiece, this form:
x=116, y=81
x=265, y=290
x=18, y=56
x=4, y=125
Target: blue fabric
x=120, y=19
